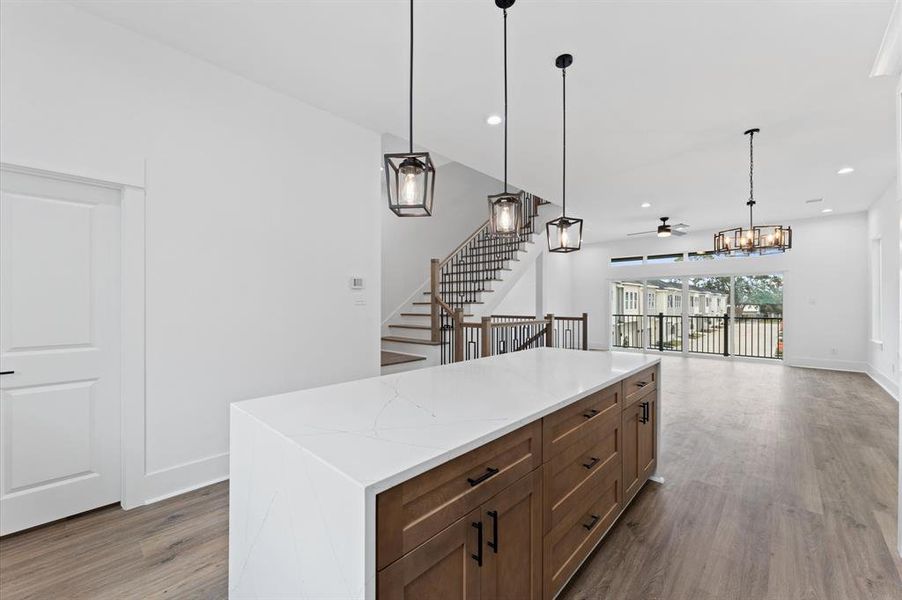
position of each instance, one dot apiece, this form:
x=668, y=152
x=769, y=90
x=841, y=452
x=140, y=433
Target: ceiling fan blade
x=676, y=231
x=642, y=232
x=681, y=226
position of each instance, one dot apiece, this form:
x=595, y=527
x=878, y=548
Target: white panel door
x=59, y=348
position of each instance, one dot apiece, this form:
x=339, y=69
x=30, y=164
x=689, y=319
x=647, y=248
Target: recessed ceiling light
x=845, y=171
x=645, y=205
x=493, y=120
x=827, y=210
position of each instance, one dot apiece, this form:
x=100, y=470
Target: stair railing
x=458, y=279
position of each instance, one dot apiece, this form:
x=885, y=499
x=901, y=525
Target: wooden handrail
x=519, y=323
x=469, y=239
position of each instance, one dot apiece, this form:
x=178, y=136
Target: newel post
x=458, y=337
x=486, y=335
x=549, y=331
x=434, y=275
x=585, y=331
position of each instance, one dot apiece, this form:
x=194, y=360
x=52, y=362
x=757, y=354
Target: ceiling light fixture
x=565, y=234
x=760, y=239
x=494, y=120
x=410, y=176
x=845, y=171
x=645, y=205
x=506, y=208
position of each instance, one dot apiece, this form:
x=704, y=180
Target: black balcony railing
x=757, y=337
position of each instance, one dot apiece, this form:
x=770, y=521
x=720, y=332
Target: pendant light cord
x=564, y=146
x=505, y=100
x=410, y=121
x=751, y=201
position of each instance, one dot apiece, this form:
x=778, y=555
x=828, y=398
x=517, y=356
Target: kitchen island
x=486, y=478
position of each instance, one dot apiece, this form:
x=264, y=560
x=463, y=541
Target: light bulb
x=409, y=187
x=505, y=220
x=564, y=236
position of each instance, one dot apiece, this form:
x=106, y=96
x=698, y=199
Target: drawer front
x=579, y=468
x=576, y=535
x=639, y=385
x=565, y=426
x=413, y=511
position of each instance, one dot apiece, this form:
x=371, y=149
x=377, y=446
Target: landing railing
x=756, y=337
x=500, y=334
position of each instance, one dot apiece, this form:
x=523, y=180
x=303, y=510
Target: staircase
x=463, y=281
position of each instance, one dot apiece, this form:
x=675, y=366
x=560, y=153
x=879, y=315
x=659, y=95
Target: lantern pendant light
x=410, y=176
x=757, y=239
x=565, y=234
x=506, y=208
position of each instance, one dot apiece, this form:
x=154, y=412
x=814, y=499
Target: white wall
x=408, y=244
x=883, y=351
x=521, y=298
x=825, y=287
x=253, y=224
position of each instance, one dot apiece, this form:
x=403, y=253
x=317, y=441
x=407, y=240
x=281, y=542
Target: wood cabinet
x=515, y=518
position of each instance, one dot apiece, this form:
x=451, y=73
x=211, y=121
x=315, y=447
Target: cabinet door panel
x=648, y=451
x=513, y=557
x=632, y=471
x=443, y=568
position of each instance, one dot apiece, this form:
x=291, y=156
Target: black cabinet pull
x=494, y=543
x=6, y=372
x=641, y=384
x=591, y=413
x=489, y=472
x=592, y=523
x=593, y=460
x=645, y=412
x=478, y=556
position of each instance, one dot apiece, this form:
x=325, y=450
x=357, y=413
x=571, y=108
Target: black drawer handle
x=593, y=460
x=489, y=472
x=494, y=543
x=591, y=413
x=641, y=384
x=644, y=417
x=592, y=523
x=478, y=556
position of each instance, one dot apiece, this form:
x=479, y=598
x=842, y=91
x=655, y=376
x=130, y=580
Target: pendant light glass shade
x=505, y=209
x=565, y=234
x=410, y=182
x=756, y=239
x=505, y=214
x=410, y=176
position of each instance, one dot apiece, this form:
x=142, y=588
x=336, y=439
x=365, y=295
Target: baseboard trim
x=852, y=366
x=180, y=479
x=887, y=383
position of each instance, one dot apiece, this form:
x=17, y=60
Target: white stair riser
x=430, y=352
x=418, y=334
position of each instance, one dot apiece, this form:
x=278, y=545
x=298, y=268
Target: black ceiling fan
x=665, y=229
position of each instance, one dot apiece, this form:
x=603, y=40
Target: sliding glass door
x=728, y=315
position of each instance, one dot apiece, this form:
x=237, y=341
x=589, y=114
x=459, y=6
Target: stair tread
x=397, y=358
x=406, y=326
x=407, y=340
x=430, y=303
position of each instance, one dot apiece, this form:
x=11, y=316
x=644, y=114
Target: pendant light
x=410, y=176
x=757, y=239
x=506, y=208
x=565, y=234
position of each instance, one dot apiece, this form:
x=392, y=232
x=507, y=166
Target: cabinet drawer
x=413, y=511
x=577, y=470
x=638, y=385
x=572, y=539
x=563, y=427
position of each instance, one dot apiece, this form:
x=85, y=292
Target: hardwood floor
x=780, y=484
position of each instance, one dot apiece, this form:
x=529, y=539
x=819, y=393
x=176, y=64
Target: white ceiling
x=658, y=95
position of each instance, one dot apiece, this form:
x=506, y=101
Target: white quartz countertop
x=384, y=430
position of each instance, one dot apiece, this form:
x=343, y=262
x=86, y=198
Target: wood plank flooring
x=780, y=485
x=398, y=358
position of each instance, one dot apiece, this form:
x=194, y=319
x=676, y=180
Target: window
x=876, y=275
x=678, y=302
x=669, y=300
x=651, y=300
x=624, y=261
x=655, y=259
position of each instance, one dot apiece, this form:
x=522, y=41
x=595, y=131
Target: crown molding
x=889, y=58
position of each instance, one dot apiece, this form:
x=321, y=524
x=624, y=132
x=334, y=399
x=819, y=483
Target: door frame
x=132, y=250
